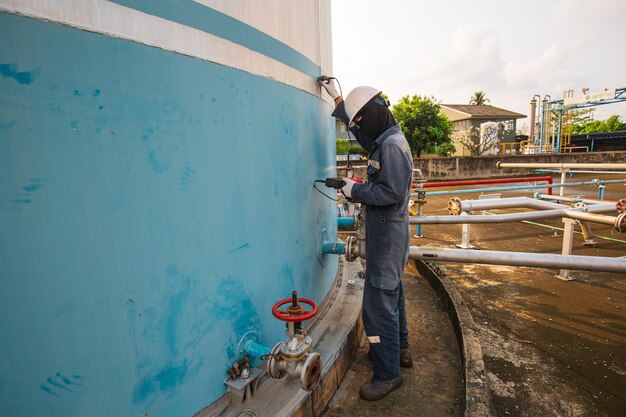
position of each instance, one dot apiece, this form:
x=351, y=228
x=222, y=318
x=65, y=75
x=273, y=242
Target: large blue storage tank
x=156, y=169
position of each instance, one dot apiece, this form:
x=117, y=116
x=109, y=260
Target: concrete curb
x=476, y=390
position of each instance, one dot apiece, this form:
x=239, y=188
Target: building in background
x=468, y=117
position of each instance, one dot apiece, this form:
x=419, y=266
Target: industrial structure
x=551, y=120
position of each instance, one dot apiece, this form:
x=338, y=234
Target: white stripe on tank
x=114, y=20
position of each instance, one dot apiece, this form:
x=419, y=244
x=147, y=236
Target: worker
x=386, y=196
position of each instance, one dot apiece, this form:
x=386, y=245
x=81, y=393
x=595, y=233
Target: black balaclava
x=376, y=119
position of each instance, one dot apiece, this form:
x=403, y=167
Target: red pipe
x=546, y=178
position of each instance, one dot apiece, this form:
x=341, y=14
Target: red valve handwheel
x=285, y=315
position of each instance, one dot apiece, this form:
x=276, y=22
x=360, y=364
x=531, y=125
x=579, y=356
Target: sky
x=510, y=50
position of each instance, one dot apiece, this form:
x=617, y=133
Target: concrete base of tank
x=336, y=332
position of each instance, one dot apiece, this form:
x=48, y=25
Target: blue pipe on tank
x=336, y=248
x=255, y=349
x=345, y=221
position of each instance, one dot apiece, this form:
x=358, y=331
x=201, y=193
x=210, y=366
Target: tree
x=479, y=98
x=612, y=124
x=423, y=125
x=344, y=147
x=580, y=116
x=478, y=141
x=446, y=149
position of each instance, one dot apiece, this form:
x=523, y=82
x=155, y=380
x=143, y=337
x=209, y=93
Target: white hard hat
x=358, y=98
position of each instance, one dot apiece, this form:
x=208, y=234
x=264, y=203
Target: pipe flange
x=621, y=205
x=580, y=206
x=311, y=371
x=620, y=223
x=352, y=249
x=455, y=206
x=275, y=366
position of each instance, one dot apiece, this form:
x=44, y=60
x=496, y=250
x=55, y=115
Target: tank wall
x=153, y=207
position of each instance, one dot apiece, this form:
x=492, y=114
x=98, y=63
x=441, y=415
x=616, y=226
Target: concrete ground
x=551, y=347
x=433, y=387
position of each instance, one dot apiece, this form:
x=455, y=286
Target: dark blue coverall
x=386, y=195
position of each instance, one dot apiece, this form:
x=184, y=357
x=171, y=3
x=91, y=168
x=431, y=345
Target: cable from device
x=321, y=192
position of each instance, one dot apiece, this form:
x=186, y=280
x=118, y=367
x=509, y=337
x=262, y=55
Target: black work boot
x=374, y=390
x=406, y=361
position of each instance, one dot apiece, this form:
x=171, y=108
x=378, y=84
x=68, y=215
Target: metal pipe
x=517, y=217
x=345, y=221
x=572, y=171
x=522, y=187
x=501, y=164
x=546, y=178
x=457, y=206
x=533, y=108
x=571, y=199
x=595, y=218
x=335, y=248
x=537, y=260
x=495, y=218
x=255, y=349
x=563, y=178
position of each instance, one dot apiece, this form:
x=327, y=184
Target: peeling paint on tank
x=241, y=315
x=7, y=126
x=57, y=382
x=22, y=77
x=164, y=380
x=155, y=164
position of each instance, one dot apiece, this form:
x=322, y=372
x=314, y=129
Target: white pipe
x=495, y=218
x=569, y=199
x=528, y=215
x=595, y=218
x=501, y=164
x=538, y=260
x=457, y=206
x=563, y=179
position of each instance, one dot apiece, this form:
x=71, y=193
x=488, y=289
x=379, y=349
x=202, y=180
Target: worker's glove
x=329, y=85
x=347, y=189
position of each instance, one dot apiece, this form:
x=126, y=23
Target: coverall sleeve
x=392, y=182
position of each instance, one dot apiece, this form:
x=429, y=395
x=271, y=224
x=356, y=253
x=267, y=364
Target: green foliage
x=343, y=145
x=582, y=116
x=612, y=124
x=479, y=98
x=344, y=148
x=446, y=149
x=423, y=125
